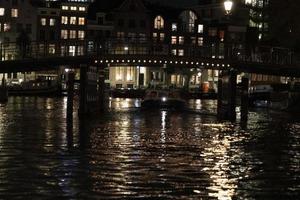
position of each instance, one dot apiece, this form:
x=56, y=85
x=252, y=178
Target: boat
x=163, y=99
x=43, y=88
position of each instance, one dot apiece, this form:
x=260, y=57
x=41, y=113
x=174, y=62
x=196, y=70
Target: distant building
x=136, y=21
x=17, y=28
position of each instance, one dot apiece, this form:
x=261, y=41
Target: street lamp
x=228, y=6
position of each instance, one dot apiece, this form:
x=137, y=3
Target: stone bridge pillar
x=227, y=95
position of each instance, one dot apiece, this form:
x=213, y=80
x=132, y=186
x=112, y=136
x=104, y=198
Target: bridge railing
x=113, y=46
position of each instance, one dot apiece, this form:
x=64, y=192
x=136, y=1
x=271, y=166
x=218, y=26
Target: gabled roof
x=103, y=6
x=165, y=11
x=153, y=9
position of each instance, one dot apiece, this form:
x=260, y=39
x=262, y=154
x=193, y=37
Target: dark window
x=28, y=28
x=132, y=7
x=131, y=23
x=100, y=21
x=121, y=22
x=109, y=17
x=143, y=23
x=52, y=35
x=14, y=2
x=107, y=33
x=19, y=27
x=42, y=35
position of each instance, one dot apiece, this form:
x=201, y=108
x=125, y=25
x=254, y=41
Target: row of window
x=73, y=20
x=161, y=37
x=188, y=21
x=73, y=8
x=14, y=12
x=64, y=20
x=72, y=34
x=51, y=22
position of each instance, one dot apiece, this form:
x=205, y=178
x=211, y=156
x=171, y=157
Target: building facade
x=17, y=28
x=177, y=31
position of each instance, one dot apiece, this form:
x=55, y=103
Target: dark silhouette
x=23, y=42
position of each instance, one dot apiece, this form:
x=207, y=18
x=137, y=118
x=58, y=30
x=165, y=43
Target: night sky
x=172, y=2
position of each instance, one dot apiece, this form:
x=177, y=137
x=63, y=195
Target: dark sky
x=171, y=2
x=176, y=2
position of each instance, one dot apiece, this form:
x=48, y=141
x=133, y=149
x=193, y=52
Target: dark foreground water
x=133, y=154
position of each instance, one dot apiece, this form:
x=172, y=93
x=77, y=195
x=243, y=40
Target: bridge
x=93, y=56
x=38, y=56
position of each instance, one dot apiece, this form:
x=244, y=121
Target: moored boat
x=163, y=99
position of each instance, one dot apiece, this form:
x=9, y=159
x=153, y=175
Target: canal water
x=157, y=154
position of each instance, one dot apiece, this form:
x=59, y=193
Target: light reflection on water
x=156, y=154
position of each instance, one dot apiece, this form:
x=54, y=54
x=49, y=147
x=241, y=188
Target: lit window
x=159, y=22
x=43, y=21
x=193, y=39
x=2, y=11
x=64, y=34
x=73, y=8
x=51, y=49
x=174, y=40
x=200, y=41
x=248, y=1
x=130, y=73
x=52, y=22
x=81, y=21
x=180, y=39
x=120, y=35
x=174, y=52
x=180, y=52
x=72, y=34
x=174, y=27
x=212, y=32
x=154, y=35
x=81, y=8
x=14, y=12
x=72, y=50
x=161, y=37
x=6, y=27
x=81, y=34
x=64, y=20
x=119, y=74
x=72, y=20
x=65, y=7
x=200, y=28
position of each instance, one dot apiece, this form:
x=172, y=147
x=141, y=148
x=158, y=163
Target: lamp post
x=228, y=4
